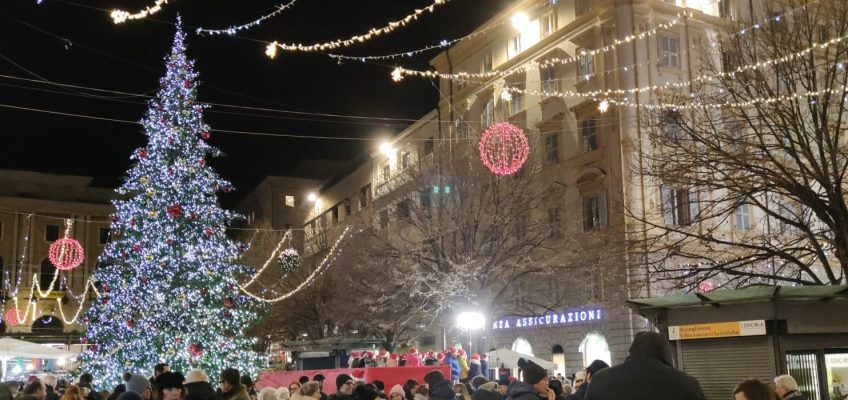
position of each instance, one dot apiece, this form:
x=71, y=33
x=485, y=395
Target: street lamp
x=387, y=149
x=470, y=321
x=312, y=197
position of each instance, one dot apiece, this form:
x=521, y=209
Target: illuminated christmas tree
x=168, y=278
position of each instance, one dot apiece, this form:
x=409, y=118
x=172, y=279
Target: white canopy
x=506, y=358
x=18, y=348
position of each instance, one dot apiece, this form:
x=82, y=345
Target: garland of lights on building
x=121, y=16
x=237, y=28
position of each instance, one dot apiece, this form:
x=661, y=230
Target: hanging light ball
x=504, y=148
x=705, y=286
x=289, y=260
x=66, y=253
x=11, y=317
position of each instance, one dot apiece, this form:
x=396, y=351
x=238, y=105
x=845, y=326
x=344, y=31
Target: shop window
x=804, y=367
x=837, y=373
x=594, y=347
x=521, y=345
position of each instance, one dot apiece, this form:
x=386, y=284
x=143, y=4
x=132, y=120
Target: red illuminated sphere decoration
x=11, y=317
x=66, y=253
x=705, y=286
x=504, y=148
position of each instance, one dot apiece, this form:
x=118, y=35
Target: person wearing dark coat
x=591, y=370
x=646, y=374
x=486, y=391
x=344, y=388
x=484, y=366
x=197, y=386
x=440, y=388
x=534, y=383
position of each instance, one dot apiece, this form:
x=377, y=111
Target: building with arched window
x=34, y=209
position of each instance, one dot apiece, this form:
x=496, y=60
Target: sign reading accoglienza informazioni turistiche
x=569, y=317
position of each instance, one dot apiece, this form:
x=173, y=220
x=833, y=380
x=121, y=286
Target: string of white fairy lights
x=412, y=53
x=232, y=30
x=703, y=78
x=287, y=235
x=400, y=72
x=328, y=260
x=121, y=16
x=838, y=89
x=273, y=47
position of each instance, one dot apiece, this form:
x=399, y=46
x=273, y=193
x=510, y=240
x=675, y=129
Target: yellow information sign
x=717, y=330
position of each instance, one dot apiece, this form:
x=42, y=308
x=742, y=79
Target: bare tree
x=750, y=164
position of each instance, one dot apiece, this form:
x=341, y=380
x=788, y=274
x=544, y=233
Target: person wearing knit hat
x=534, y=384
x=474, y=366
x=396, y=393
x=484, y=366
x=439, y=387
x=169, y=386
x=592, y=369
x=139, y=385
x=412, y=359
x=197, y=386
x=344, y=387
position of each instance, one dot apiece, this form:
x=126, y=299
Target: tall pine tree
x=168, y=278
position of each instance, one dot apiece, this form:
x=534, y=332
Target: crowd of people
x=462, y=366
x=646, y=374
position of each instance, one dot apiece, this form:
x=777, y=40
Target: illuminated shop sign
x=553, y=319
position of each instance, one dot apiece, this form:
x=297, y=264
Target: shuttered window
x=720, y=364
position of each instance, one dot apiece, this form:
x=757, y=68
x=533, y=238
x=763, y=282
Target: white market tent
x=12, y=348
x=506, y=358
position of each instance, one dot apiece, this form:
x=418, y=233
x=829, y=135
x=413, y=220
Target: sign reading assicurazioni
x=568, y=317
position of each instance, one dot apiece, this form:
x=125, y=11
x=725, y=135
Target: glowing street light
x=520, y=20
x=470, y=320
x=387, y=149
x=312, y=197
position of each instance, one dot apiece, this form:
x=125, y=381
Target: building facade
x=35, y=210
x=541, y=65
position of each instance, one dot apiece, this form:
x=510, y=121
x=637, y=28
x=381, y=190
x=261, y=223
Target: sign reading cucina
x=563, y=318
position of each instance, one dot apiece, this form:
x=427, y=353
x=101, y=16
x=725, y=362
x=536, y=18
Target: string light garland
x=412, y=53
x=286, y=236
x=839, y=89
x=121, y=16
x=235, y=29
x=289, y=260
x=399, y=72
x=504, y=148
x=328, y=260
x=357, y=39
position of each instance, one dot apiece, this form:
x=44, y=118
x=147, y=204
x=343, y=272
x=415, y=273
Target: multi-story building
x=539, y=64
x=36, y=209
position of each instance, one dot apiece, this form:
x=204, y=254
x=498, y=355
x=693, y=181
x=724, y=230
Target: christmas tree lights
x=167, y=281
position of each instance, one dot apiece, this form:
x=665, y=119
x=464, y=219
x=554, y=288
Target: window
x=837, y=369
x=742, y=218
x=104, y=235
x=586, y=65
x=803, y=366
x=552, y=148
x=387, y=172
x=335, y=213
x=521, y=345
x=594, y=212
x=384, y=218
x=669, y=51
x=554, y=222
x=548, y=23
x=428, y=146
x=515, y=46
x=788, y=213
x=670, y=123
x=488, y=116
x=289, y=201
x=404, y=209
x=425, y=200
x=549, y=79
x=51, y=233
x=461, y=128
x=363, y=196
x=348, y=207
x=516, y=104
x=679, y=206
x=45, y=276
x=405, y=160
x=589, y=135
x=594, y=347
x=729, y=61
x=486, y=64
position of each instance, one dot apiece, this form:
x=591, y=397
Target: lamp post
x=470, y=321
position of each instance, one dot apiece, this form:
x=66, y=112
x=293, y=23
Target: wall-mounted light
x=387, y=149
x=312, y=197
x=520, y=20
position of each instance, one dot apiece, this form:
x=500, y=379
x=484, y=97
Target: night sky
x=75, y=42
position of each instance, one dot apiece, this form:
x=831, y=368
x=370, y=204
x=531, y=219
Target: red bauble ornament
x=137, y=248
x=175, y=210
x=11, y=317
x=228, y=314
x=204, y=291
x=187, y=84
x=705, y=286
x=202, y=162
x=504, y=148
x=105, y=288
x=104, y=300
x=142, y=153
x=170, y=140
x=132, y=222
x=130, y=323
x=145, y=279
x=209, y=232
x=205, y=135
x=195, y=349
x=83, y=340
x=66, y=253
x=169, y=242
x=228, y=302
x=193, y=217
x=115, y=219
